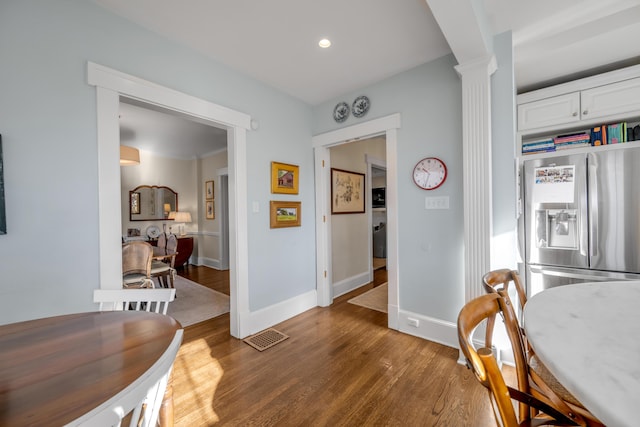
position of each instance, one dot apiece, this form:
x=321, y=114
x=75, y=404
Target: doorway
x=110, y=85
x=387, y=126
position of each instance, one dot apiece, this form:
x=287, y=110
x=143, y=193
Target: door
x=556, y=228
x=614, y=205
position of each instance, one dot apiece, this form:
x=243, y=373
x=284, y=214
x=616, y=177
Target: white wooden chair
x=143, y=398
x=154, y=300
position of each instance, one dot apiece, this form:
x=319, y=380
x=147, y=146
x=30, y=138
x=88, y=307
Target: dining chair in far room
x=136, y=265
x=150, y=300
x=498, y=282
x=164, y=269
x=162, y=240
x=532, y=409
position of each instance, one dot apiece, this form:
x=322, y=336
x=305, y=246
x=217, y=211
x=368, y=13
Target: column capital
x=486, y=64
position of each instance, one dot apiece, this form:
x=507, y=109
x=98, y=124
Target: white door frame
x=387, y=126
x=110, y=86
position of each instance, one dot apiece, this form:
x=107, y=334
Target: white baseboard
x=267, y=317
x=440, y=331
x=209, y=262
x=347, y=285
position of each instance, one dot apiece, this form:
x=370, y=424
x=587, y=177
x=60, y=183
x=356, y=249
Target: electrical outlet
x=413, y=322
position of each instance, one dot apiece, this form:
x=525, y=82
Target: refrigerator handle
x=593, y=208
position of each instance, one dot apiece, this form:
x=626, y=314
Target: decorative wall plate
x=153, y=231
x=341, y=112
x=360, y=106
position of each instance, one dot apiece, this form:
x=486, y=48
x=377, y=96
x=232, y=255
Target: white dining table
x=588, y=336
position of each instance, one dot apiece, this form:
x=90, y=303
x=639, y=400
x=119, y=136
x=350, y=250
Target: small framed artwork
x=209, y=195
x=285, y=214
x=347, y=192
x=284, y=178
x=135, y=203
x=211, y=211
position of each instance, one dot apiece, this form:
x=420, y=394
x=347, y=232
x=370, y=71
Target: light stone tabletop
x=588, y=335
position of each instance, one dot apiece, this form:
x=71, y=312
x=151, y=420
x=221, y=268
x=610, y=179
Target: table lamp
x=181, y=218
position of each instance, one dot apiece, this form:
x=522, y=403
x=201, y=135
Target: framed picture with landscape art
x=347, y=192
x=284, y=178
x=285, y=214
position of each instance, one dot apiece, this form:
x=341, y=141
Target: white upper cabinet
x=549, y=112
x=615, y=98
x=595, y=100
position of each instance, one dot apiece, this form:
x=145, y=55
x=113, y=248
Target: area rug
x=195, y=303
x=375, y=299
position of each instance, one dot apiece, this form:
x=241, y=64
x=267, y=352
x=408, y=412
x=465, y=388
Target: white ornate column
x=476, y=150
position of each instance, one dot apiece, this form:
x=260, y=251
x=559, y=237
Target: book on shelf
x=582, y=136
x=573, y=145
x=598, y=135
x=539, y=150
x=613, y=134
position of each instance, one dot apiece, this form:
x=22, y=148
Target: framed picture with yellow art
x=211, y=211
x=284, y=178
x=208, y=190
x=285, y=214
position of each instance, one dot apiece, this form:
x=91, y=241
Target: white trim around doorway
x=387, y=126
x=110, y=86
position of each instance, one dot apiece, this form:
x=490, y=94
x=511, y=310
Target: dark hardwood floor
x=341, y=366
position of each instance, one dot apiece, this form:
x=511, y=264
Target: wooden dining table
x=56, y=370
x=588, y=336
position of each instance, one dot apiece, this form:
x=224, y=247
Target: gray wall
x=503, y=154
x=428, y=98
x=49, y=258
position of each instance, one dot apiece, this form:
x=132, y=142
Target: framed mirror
x=152, y=203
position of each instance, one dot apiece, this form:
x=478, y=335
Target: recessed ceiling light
x=324, y=43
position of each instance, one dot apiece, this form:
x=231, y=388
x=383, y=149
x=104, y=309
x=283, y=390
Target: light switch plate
x=441, y=202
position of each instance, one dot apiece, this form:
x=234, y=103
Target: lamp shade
x=172, y=215
x=182, y=217
x=129, y=156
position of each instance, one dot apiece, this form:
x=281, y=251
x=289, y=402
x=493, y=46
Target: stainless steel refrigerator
x=582, y=218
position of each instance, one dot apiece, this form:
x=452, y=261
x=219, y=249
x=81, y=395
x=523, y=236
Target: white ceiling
x=166, y=133
x=276, y=41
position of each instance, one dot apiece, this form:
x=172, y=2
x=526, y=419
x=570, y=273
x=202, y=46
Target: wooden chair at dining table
x=136, y=265
x=532, y=409
x=498, y=282
x=164, y=269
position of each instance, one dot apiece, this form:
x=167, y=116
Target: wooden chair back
x=136, y=258
x=498, y=281
x=485, y=367
x=162, y=240
x=172, y=246
x=152, y=300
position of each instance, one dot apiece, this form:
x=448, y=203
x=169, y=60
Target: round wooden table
x=57, y=369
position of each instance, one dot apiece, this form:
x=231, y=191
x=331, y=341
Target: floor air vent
x=265, y=339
